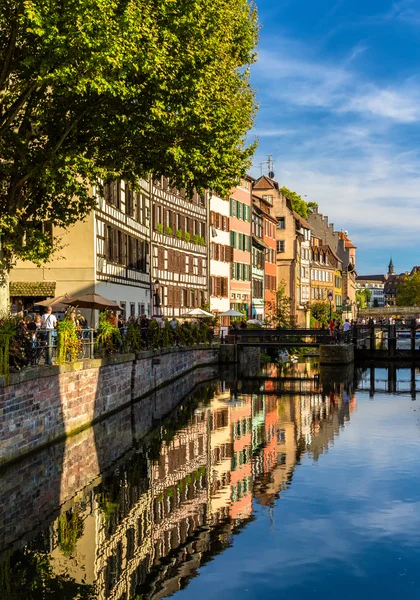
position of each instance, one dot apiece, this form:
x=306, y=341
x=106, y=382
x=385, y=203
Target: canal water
x=303, y=483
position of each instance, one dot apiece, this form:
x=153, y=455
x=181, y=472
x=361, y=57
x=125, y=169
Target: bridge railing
x=284, y=337
x=386, y=337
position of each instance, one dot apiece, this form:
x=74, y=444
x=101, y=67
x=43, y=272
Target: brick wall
x=44, y=404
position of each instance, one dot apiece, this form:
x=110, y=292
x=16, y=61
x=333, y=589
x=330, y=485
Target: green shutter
x=232, y=207
x=240, y=241
x=233, y=239
x=238, y=271
x=233, y=272
x=244, y=271
x=239, y=210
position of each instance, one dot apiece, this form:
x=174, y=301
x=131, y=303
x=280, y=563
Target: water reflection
x=186, y=490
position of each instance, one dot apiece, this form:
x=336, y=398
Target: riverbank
x=44, y=405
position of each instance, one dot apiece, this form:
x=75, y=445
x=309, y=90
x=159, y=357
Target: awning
x=260, y=242
x=32, y=288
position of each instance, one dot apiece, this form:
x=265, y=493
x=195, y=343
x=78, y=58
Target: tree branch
x=8, y=56
x=12, y=112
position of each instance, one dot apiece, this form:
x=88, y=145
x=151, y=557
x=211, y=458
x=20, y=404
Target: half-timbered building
x=179, y=249
x=107, y=253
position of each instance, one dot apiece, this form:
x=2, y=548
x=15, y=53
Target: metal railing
x=39, y=347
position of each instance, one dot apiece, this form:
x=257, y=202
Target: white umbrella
x=254, y=322
x=196, y=313
x=231, y=313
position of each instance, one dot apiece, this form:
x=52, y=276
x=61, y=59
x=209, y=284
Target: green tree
x=363, y=297
x=278, y=311
x=408, y=291
x=299, y=205
x=320, y=312
x=103, y=89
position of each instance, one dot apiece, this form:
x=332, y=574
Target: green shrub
x=187, y=237
x=179, y=234
x=160, y=228
x=68, y=342
x=196, y=238
x=8, y=334
x=108, y=340
x=168, y=230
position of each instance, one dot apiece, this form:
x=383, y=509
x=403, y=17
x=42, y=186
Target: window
x=239, y=207
x=232, y=207
x=281, y=246
x=280, y=223
x=268, y=198
x=132, y=309
x=129, y=199
x=112, y=193
x=233, y=239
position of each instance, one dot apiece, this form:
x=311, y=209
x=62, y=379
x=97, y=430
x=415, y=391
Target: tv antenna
x=270, y=166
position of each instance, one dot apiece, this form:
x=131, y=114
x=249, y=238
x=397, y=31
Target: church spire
x=391, y=270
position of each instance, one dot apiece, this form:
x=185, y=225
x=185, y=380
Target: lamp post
x=156, y=288
x=330, y=298
x=348, y=306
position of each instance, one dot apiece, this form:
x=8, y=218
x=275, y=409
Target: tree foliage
x=299, y=205
x=320, y=312
x=408, y=291
x=95, y=90
x=278, y=311
x=363, y=297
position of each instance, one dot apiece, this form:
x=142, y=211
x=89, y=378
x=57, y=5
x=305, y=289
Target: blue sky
x=339, y=91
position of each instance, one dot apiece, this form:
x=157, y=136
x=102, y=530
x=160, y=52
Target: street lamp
x=348, y=306
x=330, y=298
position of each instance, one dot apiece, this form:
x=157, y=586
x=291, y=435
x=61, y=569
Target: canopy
x=93, y=301
x=231, y=313
x=58, y=303
x=197, y=313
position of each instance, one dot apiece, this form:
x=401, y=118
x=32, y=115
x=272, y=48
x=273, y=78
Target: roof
x=264, y=183
x=381, y=278
x=259, y=241
x=32, y=288
x=302, y=220
x=347, y=242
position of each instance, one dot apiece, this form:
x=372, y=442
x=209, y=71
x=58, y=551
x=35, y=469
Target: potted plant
x=160, y=228
x=179, y=234
x=168, y=230
x=202, y=241
x=187, y=236
x=196, y=238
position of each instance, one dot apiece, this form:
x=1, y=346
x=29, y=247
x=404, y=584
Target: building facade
x=107, y=253
x=179, y=250
x=343, y=248
x=240, y=216
x=221, y=254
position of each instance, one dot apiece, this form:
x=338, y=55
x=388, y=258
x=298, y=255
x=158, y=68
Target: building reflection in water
x=178, y=500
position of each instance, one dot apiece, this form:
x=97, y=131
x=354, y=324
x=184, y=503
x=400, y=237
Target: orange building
x=241, y=474
x=240, y=216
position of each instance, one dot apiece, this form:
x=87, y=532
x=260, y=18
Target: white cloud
x=292, y=75
x=349, y=151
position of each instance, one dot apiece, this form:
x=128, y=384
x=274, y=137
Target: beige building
x=343, y=248
x=107, y=253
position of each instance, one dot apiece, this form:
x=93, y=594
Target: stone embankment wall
x=46, y=404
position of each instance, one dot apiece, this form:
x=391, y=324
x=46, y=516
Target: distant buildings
x=384, y=288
